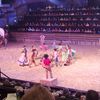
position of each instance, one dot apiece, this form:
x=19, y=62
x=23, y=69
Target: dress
x=73, y=52
x=22, y=59
x=56, y=56
x=64, y=56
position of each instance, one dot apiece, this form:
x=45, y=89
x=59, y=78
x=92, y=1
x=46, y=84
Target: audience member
x=92, y=95
x=38, y=92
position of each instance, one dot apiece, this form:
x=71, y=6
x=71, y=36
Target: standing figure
x=42, y=39
x=68, y=61
x=64, y=55
x=70, y=54
x=5, y=42
x=33, y=56
x=60, y=46
x=55, y=57
x=6, y=37
x=25, y=51
x=43, y=47
x=22, y=59
x=47, y=65
x=54, y=44
x=1, y=41
x=69, y=50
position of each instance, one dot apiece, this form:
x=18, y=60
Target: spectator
x=92, y=95
x=38, y=92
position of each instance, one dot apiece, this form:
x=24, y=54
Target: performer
x=33, y=56
x=71, y=52
x=42, y=39
x=55, y=57
x=47, y=65
x=43, y=47
x=64, y=55
x=54, y=44
x=5, y=42
x=25, y=51
x=6, y=37
x=22, y=59
x=68, y=61
x=1, y=41
x=60, y=46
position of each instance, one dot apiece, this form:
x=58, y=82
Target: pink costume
x=46, y=65
x=44, y=47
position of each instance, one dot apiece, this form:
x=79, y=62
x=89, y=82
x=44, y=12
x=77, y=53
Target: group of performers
x=56, y=55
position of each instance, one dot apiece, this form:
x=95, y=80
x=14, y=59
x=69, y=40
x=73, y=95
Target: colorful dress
x=22, y=59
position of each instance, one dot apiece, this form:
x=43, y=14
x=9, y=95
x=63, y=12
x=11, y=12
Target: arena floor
x=82, y=74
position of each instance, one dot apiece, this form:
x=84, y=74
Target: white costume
x=22, y=59
x=2, y=32
x=42, y=39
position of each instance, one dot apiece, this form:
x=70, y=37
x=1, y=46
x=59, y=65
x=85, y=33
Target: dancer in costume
x=54, y=46
x=42, y=39
x=64, y=55
x=25, y=51
x=71, y=51
x=70, y=54
x=22, y=59
x=55, y=57
x=43, y=47
x=34, y=54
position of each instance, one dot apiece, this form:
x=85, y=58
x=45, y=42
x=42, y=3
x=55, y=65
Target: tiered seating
x=8, y=86
x=62, y=20
x=19, y=87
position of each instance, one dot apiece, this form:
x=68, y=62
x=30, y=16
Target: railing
x=86, y=39
x=1, y=73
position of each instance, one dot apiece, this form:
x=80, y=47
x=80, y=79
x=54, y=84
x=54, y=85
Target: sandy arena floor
x=83, y=73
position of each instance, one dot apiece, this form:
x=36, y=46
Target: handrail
x=1, y=73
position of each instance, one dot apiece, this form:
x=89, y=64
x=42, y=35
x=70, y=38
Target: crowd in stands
x=26, y=90
x=56, y=19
